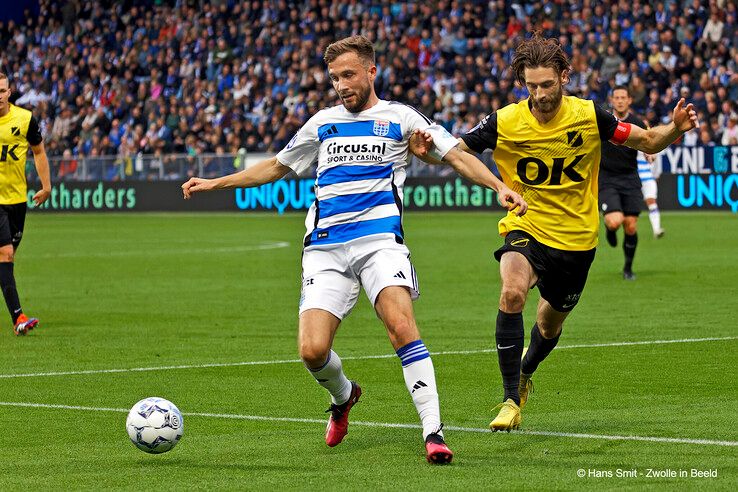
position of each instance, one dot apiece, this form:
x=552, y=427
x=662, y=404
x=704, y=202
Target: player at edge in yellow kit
x=547, y=148
x=18, y=130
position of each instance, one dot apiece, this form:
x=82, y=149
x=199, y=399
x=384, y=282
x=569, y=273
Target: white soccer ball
x=155, y=425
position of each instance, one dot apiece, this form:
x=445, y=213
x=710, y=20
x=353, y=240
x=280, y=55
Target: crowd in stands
x=191, y=77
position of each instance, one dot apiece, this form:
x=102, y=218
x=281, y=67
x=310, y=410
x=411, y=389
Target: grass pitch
x=201, y=309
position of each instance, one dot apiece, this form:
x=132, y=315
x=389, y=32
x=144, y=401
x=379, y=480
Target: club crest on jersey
x=381, y=128
x=574, y=138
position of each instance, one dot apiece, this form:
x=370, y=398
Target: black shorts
x=12, y=220
x=561, y=274
x=620, y=195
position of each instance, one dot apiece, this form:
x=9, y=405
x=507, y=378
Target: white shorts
x=649, y=189
x=333, y=274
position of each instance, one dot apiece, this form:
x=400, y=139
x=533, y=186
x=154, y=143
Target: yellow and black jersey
x=554, y=167
x=18, y=129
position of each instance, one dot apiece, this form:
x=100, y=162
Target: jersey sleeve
x=606, y=123
x=33, y=135
x=302, y=151
x=483, y=136
x=443, y=141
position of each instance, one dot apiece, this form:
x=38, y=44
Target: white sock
x=330, y=376
x=655, y=217
x=420, y=379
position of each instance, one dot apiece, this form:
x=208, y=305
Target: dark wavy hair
x=539, y=52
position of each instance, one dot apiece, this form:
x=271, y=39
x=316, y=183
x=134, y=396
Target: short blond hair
x=354, y=44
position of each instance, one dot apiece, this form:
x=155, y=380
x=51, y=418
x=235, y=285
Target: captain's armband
x=622, y=131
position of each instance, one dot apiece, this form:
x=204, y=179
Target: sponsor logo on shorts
x=570, y=301
x=520, y=243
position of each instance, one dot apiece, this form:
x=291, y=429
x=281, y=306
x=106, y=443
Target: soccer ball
x=155, y=425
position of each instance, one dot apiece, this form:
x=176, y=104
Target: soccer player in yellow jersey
x=547, y=149
x=18, y=130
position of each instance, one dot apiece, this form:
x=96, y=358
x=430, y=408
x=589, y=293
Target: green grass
x=127, y=291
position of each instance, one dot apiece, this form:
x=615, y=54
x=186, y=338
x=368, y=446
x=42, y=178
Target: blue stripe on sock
x=402, y=350
x=412, y=352
x=415, y=359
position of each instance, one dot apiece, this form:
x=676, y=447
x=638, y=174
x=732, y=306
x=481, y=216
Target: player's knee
x=549, y=330
x=313, y=354
x=512, y=299
x=6, y=254
x=612, y=222
x=401, y=329
x=630, y=227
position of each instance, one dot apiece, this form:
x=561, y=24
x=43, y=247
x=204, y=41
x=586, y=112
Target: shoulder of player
x=575, y=101
x=411, y=110
x=322, y=117
x=19, y=111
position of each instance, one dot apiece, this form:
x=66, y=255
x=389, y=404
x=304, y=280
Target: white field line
x=167, y=252
x=264, y=418
x=358, y=357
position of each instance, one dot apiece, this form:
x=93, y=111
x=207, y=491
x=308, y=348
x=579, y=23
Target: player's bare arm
x=266, y=171
x=474, y=170
x=42, y=168
x=467, y=165
x=656, y=139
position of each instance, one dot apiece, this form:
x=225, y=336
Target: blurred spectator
x=192, y=77
x=67, y=167
x=730, y=132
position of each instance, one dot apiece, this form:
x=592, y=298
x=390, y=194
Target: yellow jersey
x=18, y=129
x=554, y=166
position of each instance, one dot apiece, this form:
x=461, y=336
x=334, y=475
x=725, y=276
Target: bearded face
x=545, y=87
x=352, y=80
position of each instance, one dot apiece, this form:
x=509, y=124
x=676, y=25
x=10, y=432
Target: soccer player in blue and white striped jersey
x=650, y=193
x=354, y=232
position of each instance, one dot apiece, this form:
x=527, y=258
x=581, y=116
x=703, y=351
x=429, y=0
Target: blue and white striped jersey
x=645, y=172
x=361, y=168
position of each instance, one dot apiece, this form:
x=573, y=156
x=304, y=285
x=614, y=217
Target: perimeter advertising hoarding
x=709, y=191
x=450, y=193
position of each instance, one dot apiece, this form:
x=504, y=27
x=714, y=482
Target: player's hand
x=420, y=143
x=685, y=117
x=511, y=200
x=41, y=196
x=195, y=185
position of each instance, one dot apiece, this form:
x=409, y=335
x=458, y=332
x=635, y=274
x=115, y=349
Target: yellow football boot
x=509, y=417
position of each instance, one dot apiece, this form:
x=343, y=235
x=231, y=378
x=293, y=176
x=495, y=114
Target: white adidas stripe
x=353, y=187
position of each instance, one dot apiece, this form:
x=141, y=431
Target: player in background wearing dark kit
x=620, y=185
x=18, y=130
x=547, y=149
